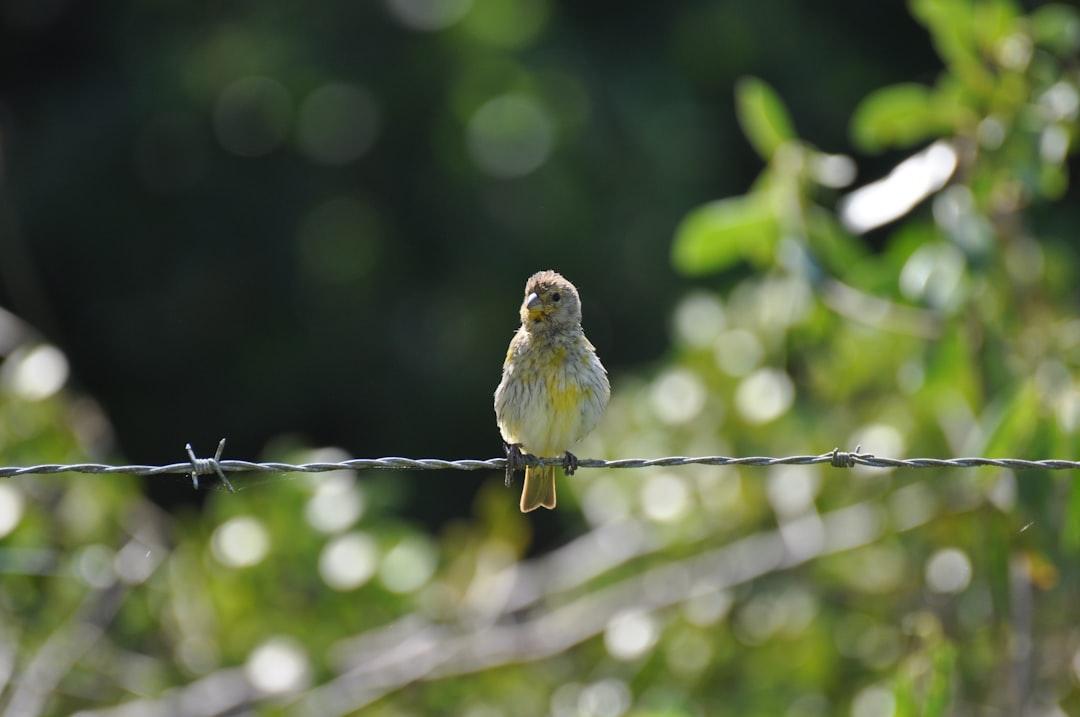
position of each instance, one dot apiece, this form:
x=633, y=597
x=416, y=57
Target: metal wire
x=195, y=467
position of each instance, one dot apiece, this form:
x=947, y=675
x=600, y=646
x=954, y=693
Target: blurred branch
x=529, y=627
x=418, y=649
x=136, y=560
x=1021, y=648
x=64, y=648
x=225, y=691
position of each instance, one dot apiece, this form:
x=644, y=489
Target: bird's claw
x=570, y=463
x=514, y=461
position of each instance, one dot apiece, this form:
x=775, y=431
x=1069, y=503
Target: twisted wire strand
x=195, y=467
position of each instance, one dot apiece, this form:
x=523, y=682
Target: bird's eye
x=555, y=296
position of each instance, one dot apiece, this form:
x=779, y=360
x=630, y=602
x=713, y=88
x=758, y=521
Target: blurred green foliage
x=932, y=317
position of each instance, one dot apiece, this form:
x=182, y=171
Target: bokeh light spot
x=792, y=489
x=677, y=396
x=407, y=566
x=136, y=561
x=337, y=503
x=510, y=136
x=278, y=666
x=252, y=116
x=689, y=653
x=990, y=132
x=197, y=653
x=1061, y=101
x=428, y=15
x=11, y=508
x=606, y=698
x=629, y=635
x=240, y=542
x=738, y=352
x=348, y=561
x=809, y=705
x=1054, y=144
x=509, y=24
x=912, y=505
x=879, y=438
x=876, y=569
x=705, y=609
x=948, y=571
x=604, y=501
x=1002, y=492
x=337, y=124
x=833, y=170
x=95, y=565
x=564, y=700
x=934, y=274
x=764, y=396
x=699, y=319
x=218, y=57
x=874, y=701
x=665, y=498
x=758, y=620
x=35, y=373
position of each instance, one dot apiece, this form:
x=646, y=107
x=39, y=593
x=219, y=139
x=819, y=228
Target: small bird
x=553, y=389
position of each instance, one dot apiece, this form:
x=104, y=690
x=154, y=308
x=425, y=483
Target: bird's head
x=551, y=302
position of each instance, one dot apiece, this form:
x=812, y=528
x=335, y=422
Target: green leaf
x=993, y=22
x=1008, y=424
x=907, y=701
x=1070, y=534
x=763, y=117
x=939, y=692
x=1057, y=27
x=955, y=26
x=719, y=234
x=951, y=24
x=894, y=116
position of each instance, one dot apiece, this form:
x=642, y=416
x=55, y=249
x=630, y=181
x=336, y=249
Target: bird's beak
x=532, y=302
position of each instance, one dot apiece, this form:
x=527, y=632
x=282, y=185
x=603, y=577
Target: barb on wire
x=195, y=467
x=204, y=466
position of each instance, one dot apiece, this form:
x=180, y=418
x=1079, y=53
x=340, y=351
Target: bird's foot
x=514, y=461
x=569, y=463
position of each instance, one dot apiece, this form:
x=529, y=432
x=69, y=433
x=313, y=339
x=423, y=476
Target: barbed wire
x=195, y=467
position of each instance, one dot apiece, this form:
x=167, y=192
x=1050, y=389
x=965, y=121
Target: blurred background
x=794, y=226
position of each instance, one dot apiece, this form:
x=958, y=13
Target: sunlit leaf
x=721, y=233
x=895, y=116
x=763, y=117
x=906, y=700
x=1008, y=426
x=939, y=691
x=954, y=26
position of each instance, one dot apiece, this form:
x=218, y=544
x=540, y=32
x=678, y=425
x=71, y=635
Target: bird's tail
x=539, y=488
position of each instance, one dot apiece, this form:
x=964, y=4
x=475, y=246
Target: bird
x=553, y=389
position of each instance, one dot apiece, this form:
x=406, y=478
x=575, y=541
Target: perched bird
x=553, y=387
